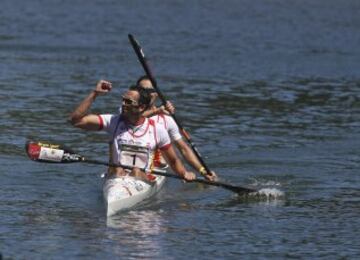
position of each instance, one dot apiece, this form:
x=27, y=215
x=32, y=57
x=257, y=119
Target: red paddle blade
x=45, y=152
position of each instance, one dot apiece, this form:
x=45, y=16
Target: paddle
x=144, y=63
x=55, y=153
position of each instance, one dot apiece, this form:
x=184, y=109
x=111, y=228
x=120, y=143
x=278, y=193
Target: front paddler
x=134, y=138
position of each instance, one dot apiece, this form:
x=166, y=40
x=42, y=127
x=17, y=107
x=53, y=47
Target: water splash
x=269, y=193
x=267, y=189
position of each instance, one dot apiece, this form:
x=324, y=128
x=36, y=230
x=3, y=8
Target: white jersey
x=134, y=145
x=169, y=124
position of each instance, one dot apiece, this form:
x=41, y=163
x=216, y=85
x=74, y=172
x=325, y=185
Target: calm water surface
x=269, y=90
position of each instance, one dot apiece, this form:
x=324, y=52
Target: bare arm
x=176, y=164
x=80, y=118
x=188, y=154
x=191, y=159
x=169, y=108
x=150, y=112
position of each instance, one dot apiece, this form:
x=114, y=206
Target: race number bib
x=134, y=156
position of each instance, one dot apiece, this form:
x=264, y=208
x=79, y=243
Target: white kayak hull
x=122, y=193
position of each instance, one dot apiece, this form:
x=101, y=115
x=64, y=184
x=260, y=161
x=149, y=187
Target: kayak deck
x=125, y=192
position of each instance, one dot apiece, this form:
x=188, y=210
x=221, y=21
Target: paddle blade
x=54, y=153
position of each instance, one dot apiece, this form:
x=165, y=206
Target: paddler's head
x=145, y=83
x=134, y=102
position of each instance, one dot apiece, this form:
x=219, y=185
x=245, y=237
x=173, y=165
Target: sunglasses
x=129, y=101
x=150, y=90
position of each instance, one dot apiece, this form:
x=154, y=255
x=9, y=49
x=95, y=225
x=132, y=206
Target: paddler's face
x=146, y=84
x=130, y=103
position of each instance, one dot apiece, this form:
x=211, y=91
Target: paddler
x=134, y=138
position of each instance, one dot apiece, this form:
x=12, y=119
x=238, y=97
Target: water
x=269, y=90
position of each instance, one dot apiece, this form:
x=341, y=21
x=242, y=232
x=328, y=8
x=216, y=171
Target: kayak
x=125, y=192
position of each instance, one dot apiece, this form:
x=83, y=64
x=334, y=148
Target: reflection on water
x=137, y=231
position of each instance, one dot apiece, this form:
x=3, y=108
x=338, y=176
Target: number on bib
x=134, y=156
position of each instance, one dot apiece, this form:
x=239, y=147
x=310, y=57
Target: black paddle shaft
x=141, y=56
x=238, y=189
x=53, y=153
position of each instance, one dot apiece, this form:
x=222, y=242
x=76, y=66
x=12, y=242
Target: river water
x=269, y=90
